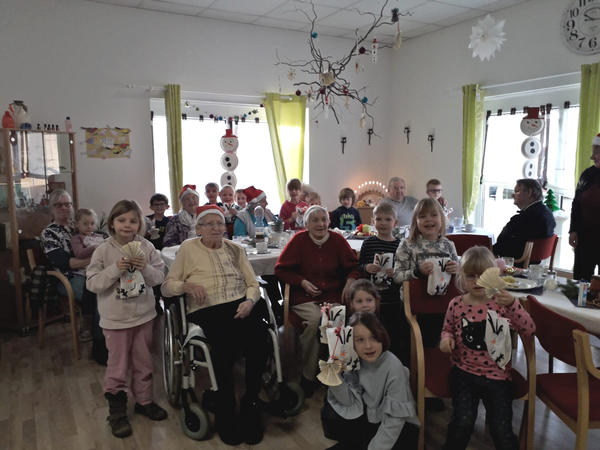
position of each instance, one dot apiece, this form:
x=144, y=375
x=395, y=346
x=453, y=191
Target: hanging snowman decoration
x=531, y=125
x=229, y=160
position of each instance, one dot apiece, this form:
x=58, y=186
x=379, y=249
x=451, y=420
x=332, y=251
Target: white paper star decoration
x=487, y=37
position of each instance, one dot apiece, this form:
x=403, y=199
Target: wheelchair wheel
x=172, y=365
x=194, y=422
x=291, y=397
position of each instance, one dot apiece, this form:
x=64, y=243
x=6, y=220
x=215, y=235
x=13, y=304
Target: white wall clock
x=580, y=26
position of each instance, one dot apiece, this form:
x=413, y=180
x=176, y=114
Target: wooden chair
x=538, y=250
x=573, y=397
x=291, y=320
x=463, y=242
x=430, y=368
x=42, y=319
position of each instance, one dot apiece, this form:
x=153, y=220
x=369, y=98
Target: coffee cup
x=469, y=227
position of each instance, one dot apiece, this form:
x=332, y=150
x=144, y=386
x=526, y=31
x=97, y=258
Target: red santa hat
x=254, y=195
x=188, y=189
x=228, y=134
x=202, y=211
x=596, y=140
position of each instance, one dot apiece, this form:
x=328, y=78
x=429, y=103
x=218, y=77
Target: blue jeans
x=85, y=298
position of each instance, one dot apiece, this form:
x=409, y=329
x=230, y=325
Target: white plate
x=522, y=284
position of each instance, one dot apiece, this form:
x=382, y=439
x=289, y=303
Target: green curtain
x=173, y=114
x=589, y=116
x=473, y=118
x=286, y=119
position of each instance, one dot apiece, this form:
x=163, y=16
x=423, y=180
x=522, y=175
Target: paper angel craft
x=491, y=281
x=342, y=355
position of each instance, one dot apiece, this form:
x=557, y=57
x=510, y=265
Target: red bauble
x=298, y=93
x=322, y=90
x=362, y=50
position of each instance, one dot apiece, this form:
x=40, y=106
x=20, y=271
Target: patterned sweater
x=372, y=246
x=466, y=325
x=410, y=256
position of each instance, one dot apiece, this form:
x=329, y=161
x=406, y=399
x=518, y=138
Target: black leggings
x=355, y=434
x=497, y=396
x=228, y=337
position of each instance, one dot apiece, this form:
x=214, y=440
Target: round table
x=263, y=264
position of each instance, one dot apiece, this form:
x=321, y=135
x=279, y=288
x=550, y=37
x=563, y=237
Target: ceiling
x=338, y=18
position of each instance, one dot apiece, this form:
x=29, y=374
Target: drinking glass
x=536, y=272
x=508, y=261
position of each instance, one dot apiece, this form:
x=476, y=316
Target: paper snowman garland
x=532, y=124
x=531, y=147
x=529, y=169
x=229, y=142
x=229, y=160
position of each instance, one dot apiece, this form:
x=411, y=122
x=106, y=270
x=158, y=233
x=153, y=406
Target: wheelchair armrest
x=168, y=301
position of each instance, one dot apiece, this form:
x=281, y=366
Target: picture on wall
x=107, y=142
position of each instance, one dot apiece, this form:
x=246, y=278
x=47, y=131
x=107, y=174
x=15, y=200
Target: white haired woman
x=319, y=266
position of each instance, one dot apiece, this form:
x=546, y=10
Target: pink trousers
x=129, y=348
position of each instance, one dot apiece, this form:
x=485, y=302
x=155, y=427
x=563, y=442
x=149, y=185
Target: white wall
x=70, y=57
x=428, y=73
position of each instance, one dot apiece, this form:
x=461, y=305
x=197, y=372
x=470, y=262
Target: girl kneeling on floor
x=373, y=408
x=126, y=315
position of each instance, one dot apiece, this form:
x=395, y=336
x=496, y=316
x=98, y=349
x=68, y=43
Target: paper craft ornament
x=228, y=178
x=529, y=169
x=491, y=281
x=497, y=338
x=131, y=283
x=438, y=280
x=331, y=317
x=532, y=124
x=487, y=37
x=330, y=373
x=229, y=161
x=229, y=141
x=531, y=147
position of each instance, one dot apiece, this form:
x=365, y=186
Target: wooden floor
x=50, y=401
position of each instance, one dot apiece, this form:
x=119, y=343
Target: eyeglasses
x=63, y=204
x=212, y=224
x=435, y=190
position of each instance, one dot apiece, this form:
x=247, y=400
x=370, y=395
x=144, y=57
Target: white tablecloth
x=262, y=264
x=557, y=302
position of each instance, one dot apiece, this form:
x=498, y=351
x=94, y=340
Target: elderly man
x=533, y=221
x=402, y=204
x=585, y=218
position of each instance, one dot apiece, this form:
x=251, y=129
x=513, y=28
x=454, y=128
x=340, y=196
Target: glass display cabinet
x=32, y=164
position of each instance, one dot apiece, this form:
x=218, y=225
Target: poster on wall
x=107, y=142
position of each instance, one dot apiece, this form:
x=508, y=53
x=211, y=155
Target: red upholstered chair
x=573, y=397
x=463, y=242
x=537, y=250
x=430, y=368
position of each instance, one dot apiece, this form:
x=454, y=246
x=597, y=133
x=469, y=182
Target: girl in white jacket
x=126, y=315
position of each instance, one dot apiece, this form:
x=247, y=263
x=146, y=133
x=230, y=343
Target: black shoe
x=151, y=410
x=309, y=387
x=434, y=404
x=117, y=410
x=252, y=427
x=228, y=427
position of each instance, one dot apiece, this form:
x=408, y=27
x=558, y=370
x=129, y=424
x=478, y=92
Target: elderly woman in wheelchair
x=222, y=297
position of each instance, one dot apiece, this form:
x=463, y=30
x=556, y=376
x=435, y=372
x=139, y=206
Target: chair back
x=463, y=242
x=415, y=292
x=555, y=332
x=544, y=248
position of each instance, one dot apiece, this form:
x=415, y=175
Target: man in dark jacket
x=533, y=221
x=584, y=233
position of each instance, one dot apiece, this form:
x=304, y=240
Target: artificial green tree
x=551, y=202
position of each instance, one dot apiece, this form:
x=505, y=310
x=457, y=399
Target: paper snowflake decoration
x=487, y=37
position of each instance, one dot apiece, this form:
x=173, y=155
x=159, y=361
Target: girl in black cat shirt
x=481, y=366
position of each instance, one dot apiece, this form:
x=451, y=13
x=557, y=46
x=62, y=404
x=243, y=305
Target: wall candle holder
x=430, y=139
x=370, y=133
x=343, y=142
x=407, y=134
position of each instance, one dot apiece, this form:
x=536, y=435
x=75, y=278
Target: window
x=504, y=164
x=202, y=155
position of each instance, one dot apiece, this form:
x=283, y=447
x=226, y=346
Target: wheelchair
x=186, y=349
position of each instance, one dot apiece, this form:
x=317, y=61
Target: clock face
x=580, y=26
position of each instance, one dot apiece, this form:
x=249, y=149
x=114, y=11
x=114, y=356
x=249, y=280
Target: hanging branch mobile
x=327, y=83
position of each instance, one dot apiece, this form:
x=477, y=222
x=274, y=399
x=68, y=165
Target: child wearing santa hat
x=183, y=225
x=245, y=223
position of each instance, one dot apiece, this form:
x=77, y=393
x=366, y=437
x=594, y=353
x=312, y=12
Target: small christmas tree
x=550, y=201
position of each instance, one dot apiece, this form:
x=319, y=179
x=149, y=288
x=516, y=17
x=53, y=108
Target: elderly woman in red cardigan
x=319, y=265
